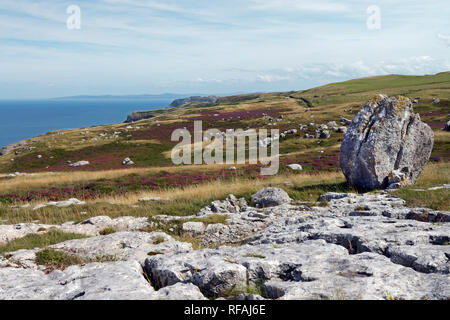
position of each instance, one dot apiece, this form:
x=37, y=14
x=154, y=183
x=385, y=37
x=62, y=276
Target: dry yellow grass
x=57, y=178
x=434, y=174
x=218, y=189
x=188, y=199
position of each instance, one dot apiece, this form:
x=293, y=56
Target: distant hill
x=140, y=115
x=180, y=102
x=124, y=97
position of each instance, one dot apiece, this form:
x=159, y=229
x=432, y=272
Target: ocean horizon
x=24, y=119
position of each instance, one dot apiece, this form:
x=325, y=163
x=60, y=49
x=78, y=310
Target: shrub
x=55, y=259
x=106, y=231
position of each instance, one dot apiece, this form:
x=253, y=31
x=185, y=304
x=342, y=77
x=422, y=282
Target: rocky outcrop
x=60, y=204
x=139, y=115
x=89, y=227
x=230, y=205
x=7, y=149
x=386, y=135
x=180, y=102
x=308, y=103
x=89, y=282
x=367, y=246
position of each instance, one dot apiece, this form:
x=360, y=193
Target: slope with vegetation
x=113, y=189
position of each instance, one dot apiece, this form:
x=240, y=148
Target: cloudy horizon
x=126, y=47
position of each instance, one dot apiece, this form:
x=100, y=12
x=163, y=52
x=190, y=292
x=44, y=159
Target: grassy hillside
x=147, y=143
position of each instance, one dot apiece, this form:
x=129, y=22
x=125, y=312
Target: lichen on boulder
x=385, y=136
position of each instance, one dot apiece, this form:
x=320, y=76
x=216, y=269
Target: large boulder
x=386, y=135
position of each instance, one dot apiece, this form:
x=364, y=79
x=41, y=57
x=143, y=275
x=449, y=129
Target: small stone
x=447, y=127
x=127, y=162
x=295, y=166
x=325, y=134
x=436, y=100
x=79, y=163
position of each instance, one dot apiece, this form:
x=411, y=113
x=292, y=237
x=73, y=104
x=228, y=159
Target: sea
x=23, y=119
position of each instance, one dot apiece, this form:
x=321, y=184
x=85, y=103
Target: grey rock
x=359, y=246
x=366, y=276
x=11, y=232
x=180, y=291
x=230, y=205
x=124, y=246
x=345, y=121
x=334, y=195
x=249, y=297
x=79, y=163
x=105, y=281
x=447, y=126
x=325, y=134
x=295, y=166
x=138, y=115
x=146, y=199
x=127, y=162
x=332, y=124
x=193, y=228
x=385, y=135
x=61, y=204
x=313, y=269
x=268, y=197
x=341, y=130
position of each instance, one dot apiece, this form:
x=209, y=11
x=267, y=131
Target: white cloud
x=445, y=38
x=203, y=45
x=299, y=5
x=203, y=80
x=272, y=77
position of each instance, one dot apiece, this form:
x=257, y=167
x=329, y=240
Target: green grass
x=436, y=199
x=313, y=191
x=55, y=215
x=391, y=81
x=253, y=288
x=254, y=255
x=55, y=259
x=108, y=156
x=107, y=231
x=32, y=241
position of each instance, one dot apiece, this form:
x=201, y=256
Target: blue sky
x=214, y=46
